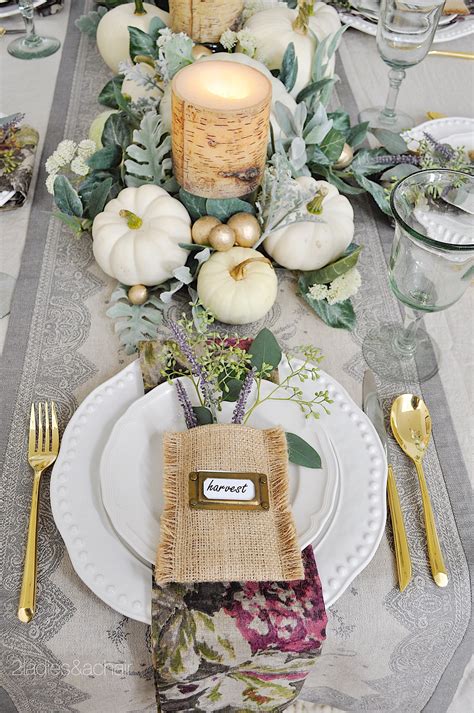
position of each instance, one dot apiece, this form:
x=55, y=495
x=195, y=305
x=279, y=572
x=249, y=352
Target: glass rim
x=414, y=233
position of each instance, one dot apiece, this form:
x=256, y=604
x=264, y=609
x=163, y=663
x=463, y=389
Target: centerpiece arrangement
x=216, y=163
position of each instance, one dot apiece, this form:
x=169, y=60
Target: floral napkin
x=17, y=158
x=233, y=646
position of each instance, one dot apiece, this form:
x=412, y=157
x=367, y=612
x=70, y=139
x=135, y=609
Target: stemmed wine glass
x=405, y=31
x=430, y=267
x=32, y=46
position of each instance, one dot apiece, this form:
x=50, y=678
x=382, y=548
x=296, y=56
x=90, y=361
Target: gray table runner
x=385, y=651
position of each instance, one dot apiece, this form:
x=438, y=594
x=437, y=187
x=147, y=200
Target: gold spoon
x=411, y=425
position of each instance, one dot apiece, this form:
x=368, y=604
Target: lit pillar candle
x=204, y=20
x=220, y=124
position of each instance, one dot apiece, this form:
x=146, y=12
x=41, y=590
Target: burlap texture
x=223, y=545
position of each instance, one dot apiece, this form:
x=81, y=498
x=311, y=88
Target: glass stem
x=395, y=77
x=405, y=342
x=27, y=12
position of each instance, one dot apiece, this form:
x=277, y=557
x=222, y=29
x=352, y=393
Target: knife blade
x=373, y=408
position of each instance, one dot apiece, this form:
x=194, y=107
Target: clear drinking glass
x=405, y=32
x=31, y=46
x=431, y=265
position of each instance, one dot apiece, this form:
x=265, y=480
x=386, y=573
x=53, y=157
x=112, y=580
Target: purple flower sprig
x=239, y=408
x=196, y=368
x=390, y=159
x=189, y=415
x=444, y=150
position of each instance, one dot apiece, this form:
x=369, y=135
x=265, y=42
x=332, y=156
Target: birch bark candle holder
x=220, y=125
x=204, y=20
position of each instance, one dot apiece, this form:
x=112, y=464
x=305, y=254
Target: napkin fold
x=218, y=545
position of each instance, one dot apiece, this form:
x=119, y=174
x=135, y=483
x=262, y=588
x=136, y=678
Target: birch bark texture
x=220, y=127
x=205, y=20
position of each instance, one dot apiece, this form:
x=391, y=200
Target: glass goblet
x=405, y=32
x=31, y=46
x=430, y=267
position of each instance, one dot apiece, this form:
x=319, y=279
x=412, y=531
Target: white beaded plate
x=123, y=581
x=462, y=27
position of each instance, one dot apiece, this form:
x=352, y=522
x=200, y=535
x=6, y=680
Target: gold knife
x=374, y=411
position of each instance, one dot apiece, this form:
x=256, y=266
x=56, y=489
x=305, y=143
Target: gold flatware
x=447, y=53
x=411, y=425
x=43, y=447
x=12, y=31
x=373, y=409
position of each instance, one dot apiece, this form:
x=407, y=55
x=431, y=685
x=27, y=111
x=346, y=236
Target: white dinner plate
x=453, y=130
x=131, y=476
x=461, y=27
x=123, y=581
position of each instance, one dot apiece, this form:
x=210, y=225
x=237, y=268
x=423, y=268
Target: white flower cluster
x=338, y=290
x=253, y=6
x=179, y=41
x=69, y=155
x=247, y=42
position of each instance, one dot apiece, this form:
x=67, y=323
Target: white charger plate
x=445, y=33
x=453, y=130
x=123, y=581
x=131, y=477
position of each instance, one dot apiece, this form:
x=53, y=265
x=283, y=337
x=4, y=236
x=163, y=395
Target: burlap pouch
x=223, y=545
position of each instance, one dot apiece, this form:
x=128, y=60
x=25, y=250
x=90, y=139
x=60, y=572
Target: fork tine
x=40, y=426
x=47, y=444
x=32, y=432
x=55, y=429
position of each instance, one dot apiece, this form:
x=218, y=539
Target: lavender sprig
x=189, y=415
x=390, y=159
x=239, y=408
x=196, y=368
x=444, y=150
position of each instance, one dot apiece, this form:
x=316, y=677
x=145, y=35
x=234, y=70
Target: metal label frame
x=198, y=501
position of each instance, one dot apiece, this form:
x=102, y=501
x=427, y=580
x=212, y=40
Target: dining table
x=386, y=650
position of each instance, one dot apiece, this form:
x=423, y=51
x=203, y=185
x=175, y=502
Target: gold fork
x=43, y=447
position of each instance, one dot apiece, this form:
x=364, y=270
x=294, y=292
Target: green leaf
x=107, y=96
x=401, y=171
x=149, y=156
x=134, y=323
x=94, y=178
x=67, y=198
x=341, y=121
x=310, y=92
x=357, y=134
x=390, y=140
x=195, y=205
x=108, y=157
x=73, y=223
x=265, y=350
x=116, y=131
x=231, y=389
x=203, y=415
x=301, y=453
x=224, y=208
x=87, y=24
x=365, y=162
x=333, y=178
x=289, y=67
x=340, y=315
x=98, y=198
x=141, y=44
x=332, y=144
x=327, y=274
x=155, y=27
x=376, y=191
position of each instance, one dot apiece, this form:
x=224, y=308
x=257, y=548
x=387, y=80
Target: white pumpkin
x=98, y=124
x=137, y=91
x=238, y=286
x=274, y=29
x=112, y=31
x=136, y=238
x=279, y=92
x=311, y=245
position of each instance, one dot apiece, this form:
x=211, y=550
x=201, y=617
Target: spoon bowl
x=410, y=422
